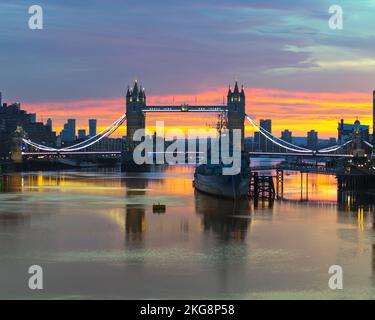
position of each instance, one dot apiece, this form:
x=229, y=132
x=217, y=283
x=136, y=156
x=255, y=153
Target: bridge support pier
x=306, y=198
x=261, y=187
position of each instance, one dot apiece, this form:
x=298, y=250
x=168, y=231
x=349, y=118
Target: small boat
x=158, y=208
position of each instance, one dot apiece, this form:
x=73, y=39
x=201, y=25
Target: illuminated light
x=131, y=99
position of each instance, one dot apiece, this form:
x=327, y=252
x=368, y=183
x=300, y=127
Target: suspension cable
x=369, y=144
x=275, y=142
x=79, y=146
x=303, y=150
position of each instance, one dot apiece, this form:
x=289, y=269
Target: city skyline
x=283, y=104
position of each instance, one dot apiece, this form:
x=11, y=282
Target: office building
x=312, y=140
x=261, y=143
x=286, y=135
x=68, y=134
x=265, y=144
x=11, y=117
x=81, y=134
x=92, y=127
x=33, y=117
x=49, y=123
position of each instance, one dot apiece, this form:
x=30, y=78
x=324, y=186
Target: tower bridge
x=136, y=109
x=135, y=117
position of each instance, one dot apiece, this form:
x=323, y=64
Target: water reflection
x=352, y=200
x=135, y=213
x=103, y=222
x=229, y=219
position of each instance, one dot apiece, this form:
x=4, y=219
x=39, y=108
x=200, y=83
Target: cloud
x=89, y=51
x=92, y=50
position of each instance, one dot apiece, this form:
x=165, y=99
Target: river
x=96, y=236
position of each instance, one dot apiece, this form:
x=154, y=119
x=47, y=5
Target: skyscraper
x=286, y=135
x=81, y=134
x=312, y=139
x=264, y=144
x=92, y=127
x=33, y=117
x=49, y=123
x=69, y=131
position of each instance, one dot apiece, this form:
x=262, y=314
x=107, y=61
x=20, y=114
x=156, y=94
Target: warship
x=208, y=178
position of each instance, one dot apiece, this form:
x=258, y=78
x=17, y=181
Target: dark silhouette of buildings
x=11, y=117
x=49, y=123
x=345, y=131
x=260, y=141
x=81, y=134
x=312, y=139
x=287, y=136
x=92, y=127
x=68, y=134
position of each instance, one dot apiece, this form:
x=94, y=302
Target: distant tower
x=236, y=112
x=92, y=127
x=373, y=115
x=135, y=117
x=49, y=123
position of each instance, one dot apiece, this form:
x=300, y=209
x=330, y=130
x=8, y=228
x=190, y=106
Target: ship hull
x=232, y=187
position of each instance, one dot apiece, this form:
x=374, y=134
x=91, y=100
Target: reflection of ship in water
x=135, y=213
x=227, y=218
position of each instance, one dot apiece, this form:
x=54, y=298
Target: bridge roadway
x=279, y=154
x=186, y=108
x=55, y=153
x=305, y=154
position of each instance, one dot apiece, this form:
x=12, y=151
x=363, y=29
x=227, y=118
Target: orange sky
x=296, y=111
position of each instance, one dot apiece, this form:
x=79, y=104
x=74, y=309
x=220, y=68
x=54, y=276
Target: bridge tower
x=135, y=117
x=236, y=111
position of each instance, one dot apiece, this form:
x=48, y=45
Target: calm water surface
x=96, y=236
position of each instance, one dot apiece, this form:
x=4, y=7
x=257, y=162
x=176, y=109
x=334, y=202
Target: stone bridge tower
x=135, y=117
x=236, y=112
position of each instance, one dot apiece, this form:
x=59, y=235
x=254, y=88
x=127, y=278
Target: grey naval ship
x=208, y=178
